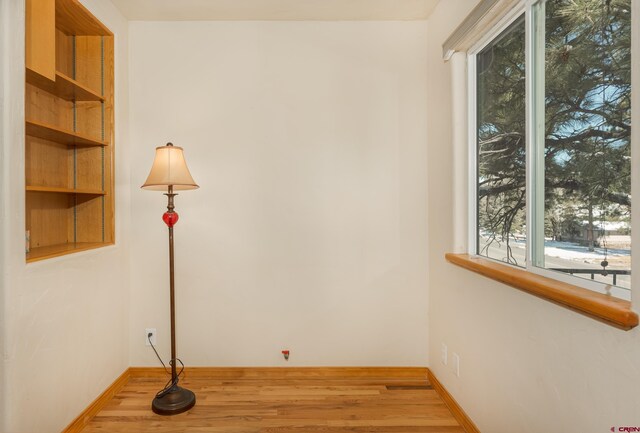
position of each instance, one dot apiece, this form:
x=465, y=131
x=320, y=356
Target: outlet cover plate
x=153, y=337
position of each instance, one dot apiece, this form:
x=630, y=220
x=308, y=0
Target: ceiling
x=313, y=10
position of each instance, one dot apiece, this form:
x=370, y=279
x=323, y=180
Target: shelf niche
x=68, y=129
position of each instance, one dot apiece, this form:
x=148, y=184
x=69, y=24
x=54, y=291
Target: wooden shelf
x=74, y=19
x=64, y=87
x=64, y=190
x=606, y=308
x=59, y=135
x=42, y=253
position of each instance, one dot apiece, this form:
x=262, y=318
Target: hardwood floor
x=271, y=404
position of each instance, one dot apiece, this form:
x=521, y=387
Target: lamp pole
x=172, y=281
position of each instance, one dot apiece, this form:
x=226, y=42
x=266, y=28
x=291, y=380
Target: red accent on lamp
x=170, y=218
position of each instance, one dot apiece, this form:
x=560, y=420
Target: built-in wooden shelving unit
x=69, y=130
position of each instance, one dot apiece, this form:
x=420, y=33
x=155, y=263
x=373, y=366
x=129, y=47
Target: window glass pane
x=500, y=119
x=587, y=164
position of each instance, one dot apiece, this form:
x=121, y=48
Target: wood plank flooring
x=282, y=405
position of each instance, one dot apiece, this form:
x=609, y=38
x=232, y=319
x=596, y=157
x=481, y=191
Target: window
x=551, y=127
x=501, y=146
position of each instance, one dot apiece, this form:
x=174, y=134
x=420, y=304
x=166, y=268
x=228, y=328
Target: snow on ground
x=571, y=251
x=566, y=255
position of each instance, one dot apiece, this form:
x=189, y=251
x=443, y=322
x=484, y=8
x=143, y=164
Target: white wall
x=527, y=365
x=309, y=142
x=65, y=320
x=6, y=16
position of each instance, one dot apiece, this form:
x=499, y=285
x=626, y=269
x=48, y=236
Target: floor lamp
x=170, y=173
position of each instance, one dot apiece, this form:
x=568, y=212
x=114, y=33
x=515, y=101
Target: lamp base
x=175, y=401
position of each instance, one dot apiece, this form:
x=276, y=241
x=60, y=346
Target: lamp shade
x=169, y=169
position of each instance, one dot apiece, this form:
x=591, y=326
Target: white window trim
x=509, y=17
x=635, y=145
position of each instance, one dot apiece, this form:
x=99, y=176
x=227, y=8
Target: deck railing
x=593, y=272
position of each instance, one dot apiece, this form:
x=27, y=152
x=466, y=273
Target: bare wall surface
x=527, y=365
x=5, y=32
x=308, y=233
x=65, y=320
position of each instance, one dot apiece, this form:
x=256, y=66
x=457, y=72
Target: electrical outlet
x=151, y=331
x=444, y=354
x=456, y=364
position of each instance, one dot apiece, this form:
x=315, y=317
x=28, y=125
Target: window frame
x=534, y=81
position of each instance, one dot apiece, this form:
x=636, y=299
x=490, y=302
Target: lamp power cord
x=171, y=383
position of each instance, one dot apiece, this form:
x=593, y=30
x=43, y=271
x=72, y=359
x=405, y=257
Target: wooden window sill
x=606, y=308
